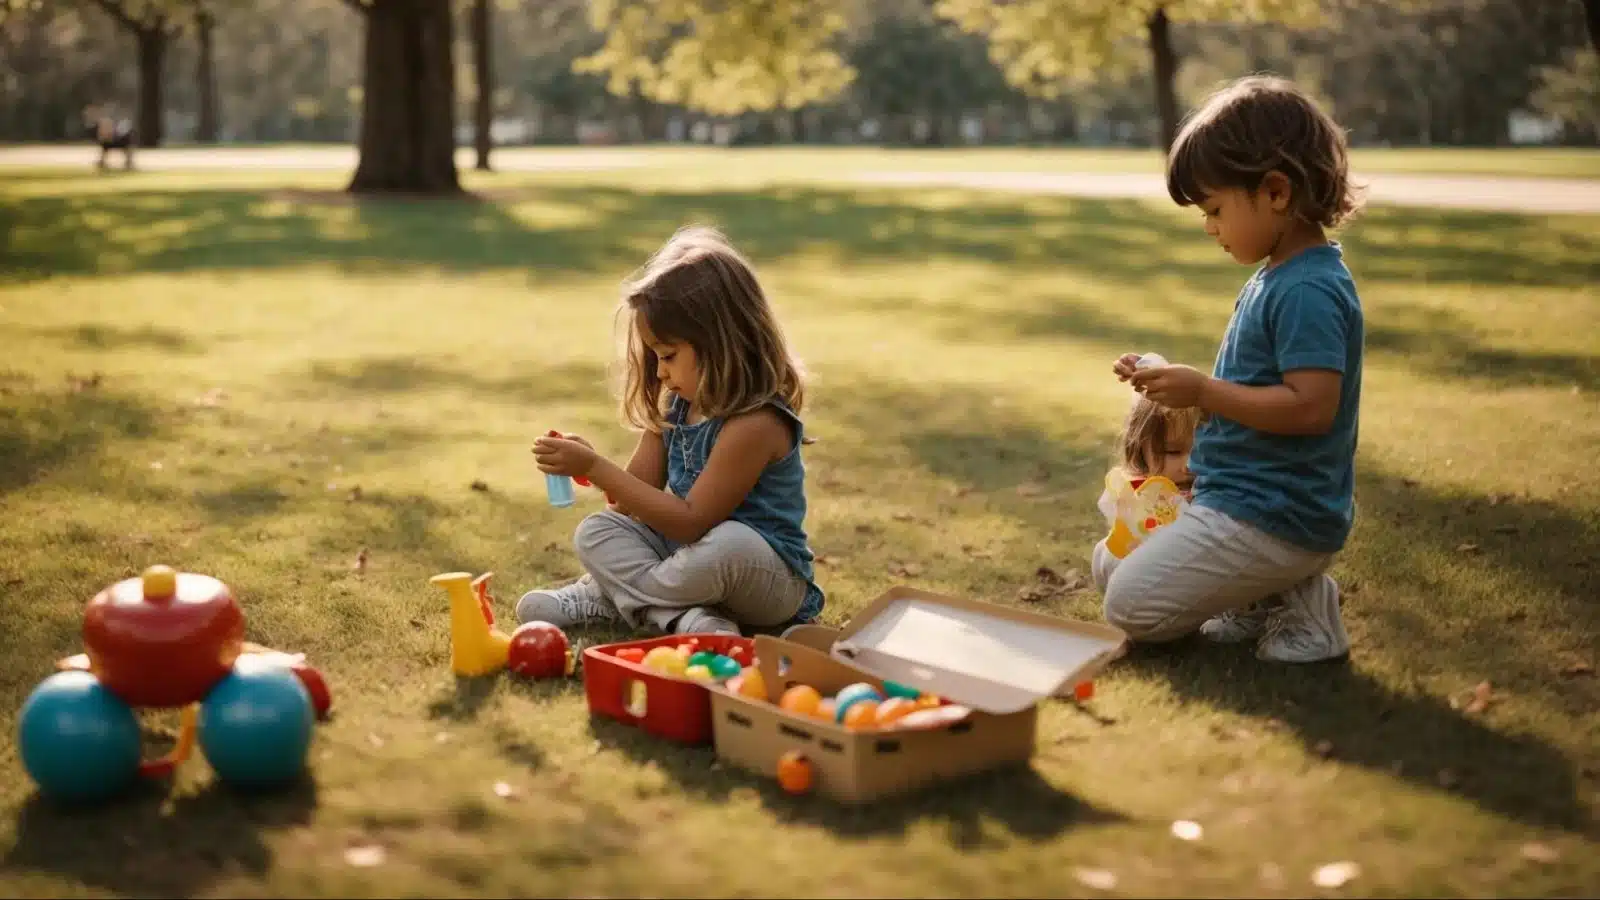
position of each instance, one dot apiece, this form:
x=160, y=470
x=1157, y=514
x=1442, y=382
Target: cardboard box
x=994, y=663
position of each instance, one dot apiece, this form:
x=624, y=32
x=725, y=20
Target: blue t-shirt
x=775, y=507
x=1301, y=314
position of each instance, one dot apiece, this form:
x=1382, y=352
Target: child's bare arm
x=649, y=465
x=744, y=447
x=1306, y=403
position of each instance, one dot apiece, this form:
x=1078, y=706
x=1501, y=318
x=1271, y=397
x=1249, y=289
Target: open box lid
x=995, y=658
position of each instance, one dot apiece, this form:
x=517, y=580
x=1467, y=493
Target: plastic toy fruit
x=896, y=689
x=750, y=684
x=315, y=686
x=802, y=700
x=163, y=639
x=722, y=668
x=667, y=660
x=863, y=713
x=1083, y=691
x=853, y=694
x=702, y=658
x=794, y=772
x=894, y=709
x=631, y=654
x=539, y=650
x=929, y=701
x=78, y=741
x=698, y=673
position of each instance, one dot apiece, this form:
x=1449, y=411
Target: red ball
x=538, y=650
x=321, y=700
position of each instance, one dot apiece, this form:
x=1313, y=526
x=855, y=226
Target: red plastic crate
x=678, y=709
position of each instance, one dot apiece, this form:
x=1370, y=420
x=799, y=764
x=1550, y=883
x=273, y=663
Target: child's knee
x=1136, y=607
x=1102, y=564
x=592, y=533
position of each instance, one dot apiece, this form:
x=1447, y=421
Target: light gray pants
x=732, y=571
x=1204, y=564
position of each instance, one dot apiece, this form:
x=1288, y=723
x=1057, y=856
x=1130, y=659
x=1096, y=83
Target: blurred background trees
x=410, y=80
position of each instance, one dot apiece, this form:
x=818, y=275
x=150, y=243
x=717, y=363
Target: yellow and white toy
x=1136, y=507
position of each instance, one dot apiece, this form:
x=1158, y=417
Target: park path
x=1492, y=193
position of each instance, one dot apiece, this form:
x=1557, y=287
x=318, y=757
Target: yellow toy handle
x=1138, y=512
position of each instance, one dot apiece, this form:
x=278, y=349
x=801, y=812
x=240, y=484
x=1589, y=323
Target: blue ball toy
x=79, y=741
x=850, y=695
x=255, y=726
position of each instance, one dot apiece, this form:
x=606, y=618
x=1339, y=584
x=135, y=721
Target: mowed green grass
x=264, y=350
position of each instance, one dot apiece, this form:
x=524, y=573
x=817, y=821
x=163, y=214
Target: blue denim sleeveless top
x=775, y=508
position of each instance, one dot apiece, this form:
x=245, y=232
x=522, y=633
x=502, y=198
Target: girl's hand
x=1175, y=387
x=564, y=456
x=1124, y=366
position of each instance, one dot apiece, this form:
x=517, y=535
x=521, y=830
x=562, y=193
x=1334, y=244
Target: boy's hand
x=1124, y=366
x=1175, y=387
x=564, y=456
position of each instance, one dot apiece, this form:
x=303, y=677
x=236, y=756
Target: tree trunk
x=483, y=111
x=1591, y=12
x=209, y=127
x=152, y=55
x=408, y=118
x=1165, y=72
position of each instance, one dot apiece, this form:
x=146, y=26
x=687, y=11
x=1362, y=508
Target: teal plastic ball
x=256, y=726
x=79, y=742
x=852, y=694
x=896, y=689
x=723, y=667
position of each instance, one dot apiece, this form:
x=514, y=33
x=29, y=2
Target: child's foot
x=703, y=621
x=1307, y=628
x=1237, y=625
x=579, y=603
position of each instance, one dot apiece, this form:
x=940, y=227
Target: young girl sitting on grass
x=705, y=529
x=1155, y=441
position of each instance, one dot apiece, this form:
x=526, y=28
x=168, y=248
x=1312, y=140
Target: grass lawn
x=959, y=345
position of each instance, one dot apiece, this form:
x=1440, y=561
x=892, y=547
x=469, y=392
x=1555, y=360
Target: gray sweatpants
x=1204, y=564
x=732, y=571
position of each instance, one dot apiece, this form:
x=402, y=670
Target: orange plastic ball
x=794, y=772
x=802, y=700
x=824, y=710
x=928, y=701
x=861, y=714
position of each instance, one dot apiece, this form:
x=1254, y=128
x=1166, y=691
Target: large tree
x=209, y=125
x=408, y=110
x=152, y=23
x=483, y=81
x=722, y=58
x=1047, y=46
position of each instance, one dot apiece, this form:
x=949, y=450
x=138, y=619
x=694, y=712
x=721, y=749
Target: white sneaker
x=579, y=603
x=1237, y=625
x=1307, y=628
x=702, y=621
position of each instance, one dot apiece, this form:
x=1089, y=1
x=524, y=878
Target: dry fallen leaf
x=1481, y=698
x=822, y=559
x=365, y=856
x=1030, y=489
x=1335, y=875
x=907, y=570
x=375, y=740
x=355, y=493
x=212, y=398
x=504, y=791
x=1535, y=851
x=360, y=565
x=1185, y=830
x=1410, y=482
x=1099, y=879
x=977, y=552
x=1575, y=669
x=1047, y=575
x=904, y=517
x=1323, y=748
x=478, y=484
x=1468, y=547
x=1516, y=615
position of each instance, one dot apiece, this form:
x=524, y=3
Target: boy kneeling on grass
x=1274, y=460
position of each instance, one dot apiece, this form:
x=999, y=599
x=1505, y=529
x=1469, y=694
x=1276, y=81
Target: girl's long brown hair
x=698, y=289
x=1145, y=433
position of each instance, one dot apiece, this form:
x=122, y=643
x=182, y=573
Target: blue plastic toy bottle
x=560, y=490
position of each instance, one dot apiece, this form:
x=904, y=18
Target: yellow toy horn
x=476, y=646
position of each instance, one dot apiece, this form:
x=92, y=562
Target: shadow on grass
x=609, y=228
x=1463, y=630
x=150, y=844
x=42, y=431
x=1017, y=797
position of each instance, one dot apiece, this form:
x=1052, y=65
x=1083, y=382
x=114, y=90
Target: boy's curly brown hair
x=1254, y=126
